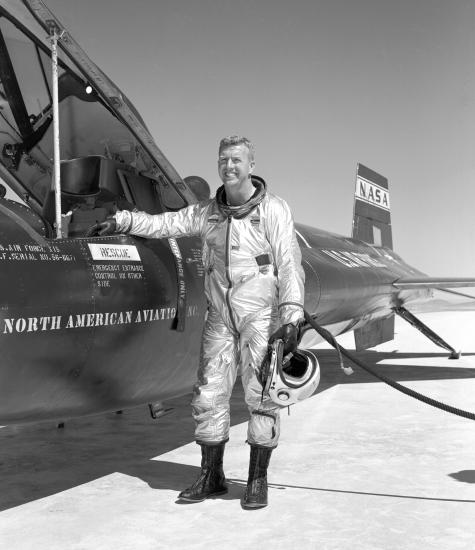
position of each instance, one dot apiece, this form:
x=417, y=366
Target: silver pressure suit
x=254, y=283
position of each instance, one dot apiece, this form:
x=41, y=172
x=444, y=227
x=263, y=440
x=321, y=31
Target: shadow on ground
x=465, y=476
x=39, y=460
x=332, y=374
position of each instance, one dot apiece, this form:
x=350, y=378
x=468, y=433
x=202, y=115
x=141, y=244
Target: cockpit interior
x=104, y=166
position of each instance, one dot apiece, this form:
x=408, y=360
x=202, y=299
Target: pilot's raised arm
x=186, y=221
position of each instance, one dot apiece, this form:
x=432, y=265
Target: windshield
x=86, y=125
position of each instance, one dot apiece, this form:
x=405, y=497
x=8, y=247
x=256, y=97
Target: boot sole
x=215, y=494
x=253, y=505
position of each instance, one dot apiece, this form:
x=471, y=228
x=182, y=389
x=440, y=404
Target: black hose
x=326, y=335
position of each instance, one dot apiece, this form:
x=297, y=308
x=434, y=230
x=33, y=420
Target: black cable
x=412, y=393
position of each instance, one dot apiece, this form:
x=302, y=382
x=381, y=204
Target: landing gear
x=426, y=331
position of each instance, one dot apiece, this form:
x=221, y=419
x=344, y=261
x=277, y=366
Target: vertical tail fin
x=371, y=213
x=372, y=224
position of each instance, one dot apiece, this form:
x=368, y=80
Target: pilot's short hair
x=237, y=140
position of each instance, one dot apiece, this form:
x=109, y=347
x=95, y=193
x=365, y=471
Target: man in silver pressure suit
x=255, y=289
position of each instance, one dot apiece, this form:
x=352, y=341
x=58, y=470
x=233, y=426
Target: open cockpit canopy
x=96, y=120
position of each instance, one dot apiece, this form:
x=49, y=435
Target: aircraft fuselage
x=87, y=325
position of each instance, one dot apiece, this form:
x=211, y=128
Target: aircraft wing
x=443, y=297
x=413, y=283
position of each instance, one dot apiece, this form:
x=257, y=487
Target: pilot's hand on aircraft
x=289, y=334
x=107, y=227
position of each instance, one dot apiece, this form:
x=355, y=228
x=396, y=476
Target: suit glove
x=107, y=227
x=289, y=334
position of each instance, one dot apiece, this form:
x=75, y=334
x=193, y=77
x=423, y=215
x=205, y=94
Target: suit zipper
x=228, y=272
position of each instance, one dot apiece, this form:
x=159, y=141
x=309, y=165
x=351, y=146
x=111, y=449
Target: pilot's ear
x=251, y=166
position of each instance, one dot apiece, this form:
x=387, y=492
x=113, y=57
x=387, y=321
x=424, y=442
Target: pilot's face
x=234, y=165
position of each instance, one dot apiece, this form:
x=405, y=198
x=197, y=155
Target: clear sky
x=317, y=85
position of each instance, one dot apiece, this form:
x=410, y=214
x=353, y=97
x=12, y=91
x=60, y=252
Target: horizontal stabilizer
x=407, y=283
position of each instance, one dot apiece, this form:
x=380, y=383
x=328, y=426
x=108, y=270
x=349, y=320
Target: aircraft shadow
x=465, y=476
x=39, y=460
x=332, y=374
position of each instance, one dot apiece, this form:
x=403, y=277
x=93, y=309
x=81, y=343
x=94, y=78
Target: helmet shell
x=291, y=380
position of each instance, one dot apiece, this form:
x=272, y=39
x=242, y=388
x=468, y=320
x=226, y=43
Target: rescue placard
x=114, y=252
x=371, y=193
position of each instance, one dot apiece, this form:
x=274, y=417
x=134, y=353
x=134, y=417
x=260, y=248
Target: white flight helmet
x=293, y=379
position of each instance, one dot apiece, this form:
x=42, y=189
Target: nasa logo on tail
x=371, y=193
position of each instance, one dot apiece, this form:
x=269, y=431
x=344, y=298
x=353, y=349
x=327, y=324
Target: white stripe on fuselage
x=353, y=259
x=303, y=239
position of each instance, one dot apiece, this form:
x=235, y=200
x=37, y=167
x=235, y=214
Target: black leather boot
x=211, y=480
x=255, y=495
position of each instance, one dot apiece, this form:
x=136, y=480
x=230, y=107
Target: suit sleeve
x=288, y=261
x=187, y=221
